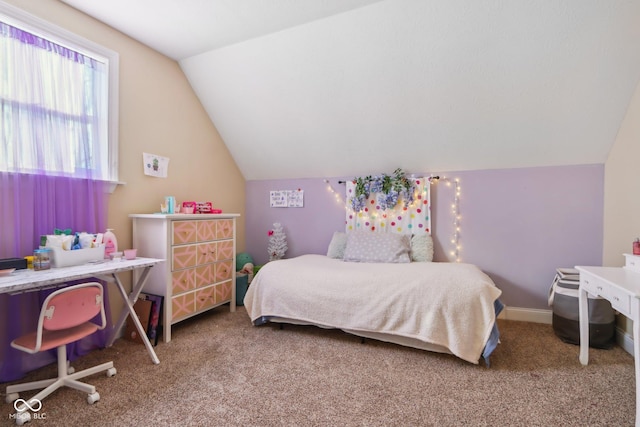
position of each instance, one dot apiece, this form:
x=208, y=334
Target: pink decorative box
x=191, y=205
x=204, y=207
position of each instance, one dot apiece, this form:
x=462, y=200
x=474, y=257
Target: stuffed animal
x=248, y=270
x=242, y=259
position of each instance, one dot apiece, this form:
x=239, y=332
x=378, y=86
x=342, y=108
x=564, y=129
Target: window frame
x=38, y=26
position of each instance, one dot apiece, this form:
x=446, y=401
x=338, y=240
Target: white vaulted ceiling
x=314, y=88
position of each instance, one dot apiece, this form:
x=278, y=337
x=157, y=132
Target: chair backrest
x=72, y=306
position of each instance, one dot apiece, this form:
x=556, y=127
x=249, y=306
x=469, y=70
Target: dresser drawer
x=225, y=250
x=223, y=292
x=182, y=306
x=206, y=253
x=594, y=286
x=205, y=298
x=183, y=232
x=224, y=229
x=183, y=257
x=620, y=300
x=206, y=230
x=223, y=271
x=183, y=281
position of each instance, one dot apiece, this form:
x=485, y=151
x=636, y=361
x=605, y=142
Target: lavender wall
x=517, y=225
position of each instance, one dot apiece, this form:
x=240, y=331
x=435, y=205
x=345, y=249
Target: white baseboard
x=526, y=315
x=623, y=339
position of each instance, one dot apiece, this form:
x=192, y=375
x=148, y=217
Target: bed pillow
x=337, y=245
x=366, y=246
x=421, y=248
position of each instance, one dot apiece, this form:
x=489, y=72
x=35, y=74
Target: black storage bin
x=563, y=297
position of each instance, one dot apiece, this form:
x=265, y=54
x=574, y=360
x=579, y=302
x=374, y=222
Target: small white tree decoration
x=277, y=242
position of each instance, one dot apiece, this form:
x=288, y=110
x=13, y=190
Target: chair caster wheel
x=23, y=417
x=93, y=398
x=12, y=397
x=70, y=370
x=111, y=372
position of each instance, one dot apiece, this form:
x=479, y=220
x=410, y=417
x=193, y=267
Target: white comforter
x=446, y=304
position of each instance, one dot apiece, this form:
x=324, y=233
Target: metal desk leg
x=129, y=301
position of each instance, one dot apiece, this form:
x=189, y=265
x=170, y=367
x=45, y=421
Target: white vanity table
x=621, y=287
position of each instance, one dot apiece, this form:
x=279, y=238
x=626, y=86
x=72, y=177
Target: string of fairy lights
x=456, y=247
x=335, y=194
x=455, y=213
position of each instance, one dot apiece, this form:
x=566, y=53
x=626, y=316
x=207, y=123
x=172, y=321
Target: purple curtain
x=31, y=206
x=26, y=37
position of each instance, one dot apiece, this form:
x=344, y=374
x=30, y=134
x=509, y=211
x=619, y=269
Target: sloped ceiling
x=320, y=88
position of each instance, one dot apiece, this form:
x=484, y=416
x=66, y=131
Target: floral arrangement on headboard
x=389, y=203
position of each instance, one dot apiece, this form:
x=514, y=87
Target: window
x=58, y=101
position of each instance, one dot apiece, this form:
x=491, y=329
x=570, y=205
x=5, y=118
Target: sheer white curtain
x=412, y=218
x=53, y=110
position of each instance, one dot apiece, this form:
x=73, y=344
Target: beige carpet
x=221, y=370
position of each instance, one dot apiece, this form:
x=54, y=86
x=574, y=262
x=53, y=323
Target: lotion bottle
x=110, y=243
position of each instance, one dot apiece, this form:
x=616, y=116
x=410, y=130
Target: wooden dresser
x=200, y=254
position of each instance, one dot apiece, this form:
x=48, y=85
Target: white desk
x=621, y=287
x=29, y=280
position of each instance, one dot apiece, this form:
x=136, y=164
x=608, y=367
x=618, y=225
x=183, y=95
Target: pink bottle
x=110, y=243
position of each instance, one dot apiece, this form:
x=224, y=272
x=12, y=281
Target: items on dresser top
x=201, y=254
x=170, y=206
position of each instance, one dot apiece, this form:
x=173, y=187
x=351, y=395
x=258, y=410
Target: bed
x=379, y=288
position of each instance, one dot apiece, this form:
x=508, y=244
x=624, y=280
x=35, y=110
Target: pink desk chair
x=65, y=317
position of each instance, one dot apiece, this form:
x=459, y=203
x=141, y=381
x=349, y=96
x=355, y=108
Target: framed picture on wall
x=278, y=198
x=295, y=198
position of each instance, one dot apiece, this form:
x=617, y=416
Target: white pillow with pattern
x=367, y=246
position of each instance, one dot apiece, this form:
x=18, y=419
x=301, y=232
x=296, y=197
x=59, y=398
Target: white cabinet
x=200, y=254
x=632, y=262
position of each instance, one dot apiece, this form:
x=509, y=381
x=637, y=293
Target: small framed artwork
x=155, y=165
x=295, y=198
x=278, y=198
